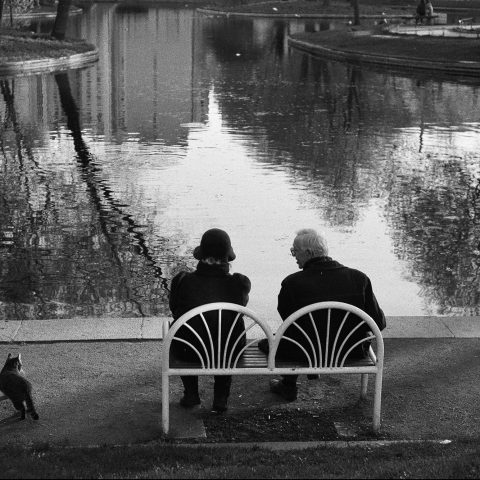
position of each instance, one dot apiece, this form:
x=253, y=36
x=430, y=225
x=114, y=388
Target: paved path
x=110, y=375
x=150, y=328
x=95, y=393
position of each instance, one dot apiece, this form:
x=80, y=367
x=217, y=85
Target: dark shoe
x=189, y=401
x=312, y=377
x=289, y=393
x=220, y=404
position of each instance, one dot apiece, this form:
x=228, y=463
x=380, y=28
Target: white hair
x=309, y=240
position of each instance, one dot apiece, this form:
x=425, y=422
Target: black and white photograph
x=239, y=239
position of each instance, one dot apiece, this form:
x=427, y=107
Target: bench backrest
x=215, y=334
x=324, y=334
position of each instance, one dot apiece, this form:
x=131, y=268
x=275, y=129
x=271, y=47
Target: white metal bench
x=323, y=355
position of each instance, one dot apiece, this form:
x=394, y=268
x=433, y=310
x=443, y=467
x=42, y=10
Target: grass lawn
x=18, y=46
x=420, y=460
x=430, y=48
x=474, y=4
x=339, y=7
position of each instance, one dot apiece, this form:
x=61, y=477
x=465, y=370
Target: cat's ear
x=19, y=357
x=9, y=356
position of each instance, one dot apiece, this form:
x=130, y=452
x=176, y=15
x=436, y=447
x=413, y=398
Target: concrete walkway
x=150, y=328
x=97, y=381
x=109, y=393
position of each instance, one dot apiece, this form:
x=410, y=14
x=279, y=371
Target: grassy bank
x=339, y=7
x=20, y=46
x=308, y=7
x=420, y=460
x=430, y=48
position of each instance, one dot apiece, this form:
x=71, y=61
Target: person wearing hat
x=210, y=282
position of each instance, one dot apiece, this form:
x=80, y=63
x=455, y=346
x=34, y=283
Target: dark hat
x=215, y=243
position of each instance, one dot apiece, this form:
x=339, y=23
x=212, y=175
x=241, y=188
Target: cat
x=16, y=387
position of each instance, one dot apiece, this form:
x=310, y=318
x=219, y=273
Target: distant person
x=429, y=11
x=421, y=12
x=320, y=279
x=210, y=282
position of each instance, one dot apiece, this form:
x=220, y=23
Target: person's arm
x=372, y=307
x=286, y=303
x=174, y=298
x=246, y=286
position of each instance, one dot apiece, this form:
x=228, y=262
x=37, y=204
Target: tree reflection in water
x=103, y=256
x=436, y=223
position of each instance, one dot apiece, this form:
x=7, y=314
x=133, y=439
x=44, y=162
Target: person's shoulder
x=293, y=277
x=239, y=277
x=357, y=273
x=242, y=279
x=180, y=277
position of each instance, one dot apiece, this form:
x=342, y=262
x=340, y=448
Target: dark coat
x=323, y=279
x=207, y=284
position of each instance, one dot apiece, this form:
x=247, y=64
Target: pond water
x=110, y=174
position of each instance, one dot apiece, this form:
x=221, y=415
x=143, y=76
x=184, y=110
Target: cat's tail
x=31, y=408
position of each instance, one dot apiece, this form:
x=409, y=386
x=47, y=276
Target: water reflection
x=93, y=261
x=112, y=173
x=99, y=190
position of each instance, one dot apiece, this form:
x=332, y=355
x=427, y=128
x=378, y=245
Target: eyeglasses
x=293, y=251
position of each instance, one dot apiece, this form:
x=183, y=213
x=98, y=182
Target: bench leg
x=364, y=385
x=377, y=402
x=165, y=403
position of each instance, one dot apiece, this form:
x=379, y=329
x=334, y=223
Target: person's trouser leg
x=286, y=387
x=190, y=395
x=221, y=392
x=290, y=380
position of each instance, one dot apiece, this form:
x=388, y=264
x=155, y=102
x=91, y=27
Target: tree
x=61, y=20
x=356, y=12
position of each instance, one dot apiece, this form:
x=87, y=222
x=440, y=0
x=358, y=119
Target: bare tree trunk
x=61, y=20
x=1, y=11
x=356, y=12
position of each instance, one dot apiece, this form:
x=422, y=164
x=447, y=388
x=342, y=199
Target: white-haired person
x=321, y=279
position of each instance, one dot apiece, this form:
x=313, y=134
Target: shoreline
x=347, y=48
x=70, y=54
